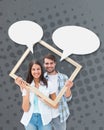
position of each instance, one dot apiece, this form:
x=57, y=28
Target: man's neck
x=52, y=73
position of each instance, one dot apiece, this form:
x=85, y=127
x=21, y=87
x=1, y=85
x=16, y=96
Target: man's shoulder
x=62, y=75
x=45, y=74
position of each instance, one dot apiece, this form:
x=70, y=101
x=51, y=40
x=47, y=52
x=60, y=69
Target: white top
x=44, y=109
x=53, y=79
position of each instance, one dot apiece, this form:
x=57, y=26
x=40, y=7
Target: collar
x=33, y=84
x=46, y=75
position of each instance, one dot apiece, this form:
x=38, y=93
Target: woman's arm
x=25, y=102
x=25, y=93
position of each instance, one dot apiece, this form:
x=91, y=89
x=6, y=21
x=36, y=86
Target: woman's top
x=39, y=107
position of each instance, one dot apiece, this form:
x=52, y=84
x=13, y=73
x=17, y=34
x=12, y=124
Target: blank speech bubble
x=25, y=32
x=75, y=40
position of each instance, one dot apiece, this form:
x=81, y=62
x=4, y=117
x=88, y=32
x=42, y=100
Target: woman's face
x=36, y=71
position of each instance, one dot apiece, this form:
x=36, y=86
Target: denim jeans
x=36, y=123
x=57, y=125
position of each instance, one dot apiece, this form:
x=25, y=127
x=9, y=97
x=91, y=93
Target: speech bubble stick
x=30, y=47
x=64, y=54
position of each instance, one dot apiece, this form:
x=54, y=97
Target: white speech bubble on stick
x=75, y=40
x=25, y=32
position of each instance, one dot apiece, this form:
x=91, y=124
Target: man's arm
x=68, y=93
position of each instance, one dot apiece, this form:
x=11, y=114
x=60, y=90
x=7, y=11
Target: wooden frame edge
x=35, y=90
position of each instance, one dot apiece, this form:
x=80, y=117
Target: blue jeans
x=57, y=125
x=36, y=123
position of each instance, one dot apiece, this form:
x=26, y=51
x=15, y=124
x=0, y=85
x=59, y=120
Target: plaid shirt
x=63, y=106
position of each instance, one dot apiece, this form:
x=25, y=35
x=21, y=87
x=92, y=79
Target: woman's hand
x=20, y=82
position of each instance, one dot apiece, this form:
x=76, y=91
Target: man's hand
x=69, y=84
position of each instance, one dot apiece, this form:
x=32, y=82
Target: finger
x=18, y=80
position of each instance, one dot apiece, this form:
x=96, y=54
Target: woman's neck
x=37, y=82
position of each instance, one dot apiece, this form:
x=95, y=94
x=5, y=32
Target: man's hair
x=50, y=56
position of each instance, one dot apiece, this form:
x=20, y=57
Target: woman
x=37, y=115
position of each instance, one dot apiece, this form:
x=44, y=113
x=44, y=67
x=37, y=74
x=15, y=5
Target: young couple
x=38, y=115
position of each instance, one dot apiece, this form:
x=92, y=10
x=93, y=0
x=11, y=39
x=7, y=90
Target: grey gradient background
x=87, y=105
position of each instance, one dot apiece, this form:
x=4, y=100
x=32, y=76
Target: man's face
x=49, y=65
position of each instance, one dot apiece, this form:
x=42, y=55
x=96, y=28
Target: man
x=58, y=80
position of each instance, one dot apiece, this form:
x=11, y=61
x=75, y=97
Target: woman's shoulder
x=44, y=89
x=43, y=86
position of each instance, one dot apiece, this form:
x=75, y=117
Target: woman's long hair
x=29, y=78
